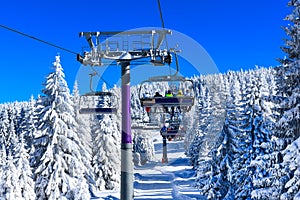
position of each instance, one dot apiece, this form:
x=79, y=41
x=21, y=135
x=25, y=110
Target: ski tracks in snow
x=159, y=181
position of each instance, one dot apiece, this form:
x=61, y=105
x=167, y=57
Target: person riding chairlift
x=157, y=94
x=148, y=109
x=170, y=94
x=179, y=93
x=163, y=129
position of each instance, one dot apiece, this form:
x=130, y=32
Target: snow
x=155, y=180
x=239, y=148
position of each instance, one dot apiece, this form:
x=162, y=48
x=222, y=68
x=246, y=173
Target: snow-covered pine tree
x=106, y=156
x=264, y=123
x=143, y=148
x=18, y=115
x=27, y=126
x=242, y=175
x=137, y=112
x=84, y=134
x=24, y=172
x=199, y=144
x=288, y=75
x=9, y=184
x=12, y=139
x=218, y=97
x=3, y=157
x=106, y=153
x=191, y=119
x=4, y=125
x=291, y=169
x=219, y=185
x=59, y=171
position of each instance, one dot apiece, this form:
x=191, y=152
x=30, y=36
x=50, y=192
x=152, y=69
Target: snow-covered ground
x=155, y=180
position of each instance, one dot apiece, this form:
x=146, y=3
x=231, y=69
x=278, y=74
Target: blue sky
x=236, y=34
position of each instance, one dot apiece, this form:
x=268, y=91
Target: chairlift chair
x=97, y=103
x=146, y=126
x=184, y=102
x=153, y=103
x=174, y=130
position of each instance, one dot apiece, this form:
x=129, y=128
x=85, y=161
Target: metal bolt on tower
x=125, y=47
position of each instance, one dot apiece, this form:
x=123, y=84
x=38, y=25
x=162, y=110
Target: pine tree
x=12, y=139
x=200, y=141
x=84, y=134
x=10, y=186
x=3, y=157
x=25, y=181
x=4, y=126
x=143, y=148
x=220, y=184
x=288, y=76
x=106, y=152
x=264, y=123
x=245, y=134
x=28, y=126
x=59, y=171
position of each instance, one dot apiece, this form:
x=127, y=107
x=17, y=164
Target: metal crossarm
x=125, y=46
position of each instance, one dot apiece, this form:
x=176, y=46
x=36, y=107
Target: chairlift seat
x=185, y=102
x=98, y=111
x=171, y=133
x=181, y=101
x=99, y=94
x=89, y=101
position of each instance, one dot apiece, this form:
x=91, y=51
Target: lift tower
x=125, y=47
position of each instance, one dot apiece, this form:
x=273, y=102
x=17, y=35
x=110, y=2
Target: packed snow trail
x=155, y=180
x=173, y=180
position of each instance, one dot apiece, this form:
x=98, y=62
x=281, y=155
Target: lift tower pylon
x=124, y=47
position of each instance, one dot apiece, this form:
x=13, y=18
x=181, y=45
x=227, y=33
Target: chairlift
x=173, y=129
x=155, y=103
x=97, y=102
x=182, y=98
x=146, y=126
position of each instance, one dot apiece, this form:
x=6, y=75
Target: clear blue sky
x=236, y=34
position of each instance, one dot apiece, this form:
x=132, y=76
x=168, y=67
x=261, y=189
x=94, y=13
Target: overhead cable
x=161, y=15
x=45, y=42
x=40, y=40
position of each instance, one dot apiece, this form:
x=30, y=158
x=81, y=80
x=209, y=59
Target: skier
x=157, y=94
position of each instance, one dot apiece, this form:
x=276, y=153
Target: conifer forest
x=242, y=135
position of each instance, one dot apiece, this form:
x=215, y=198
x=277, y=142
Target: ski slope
x=155, y=180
